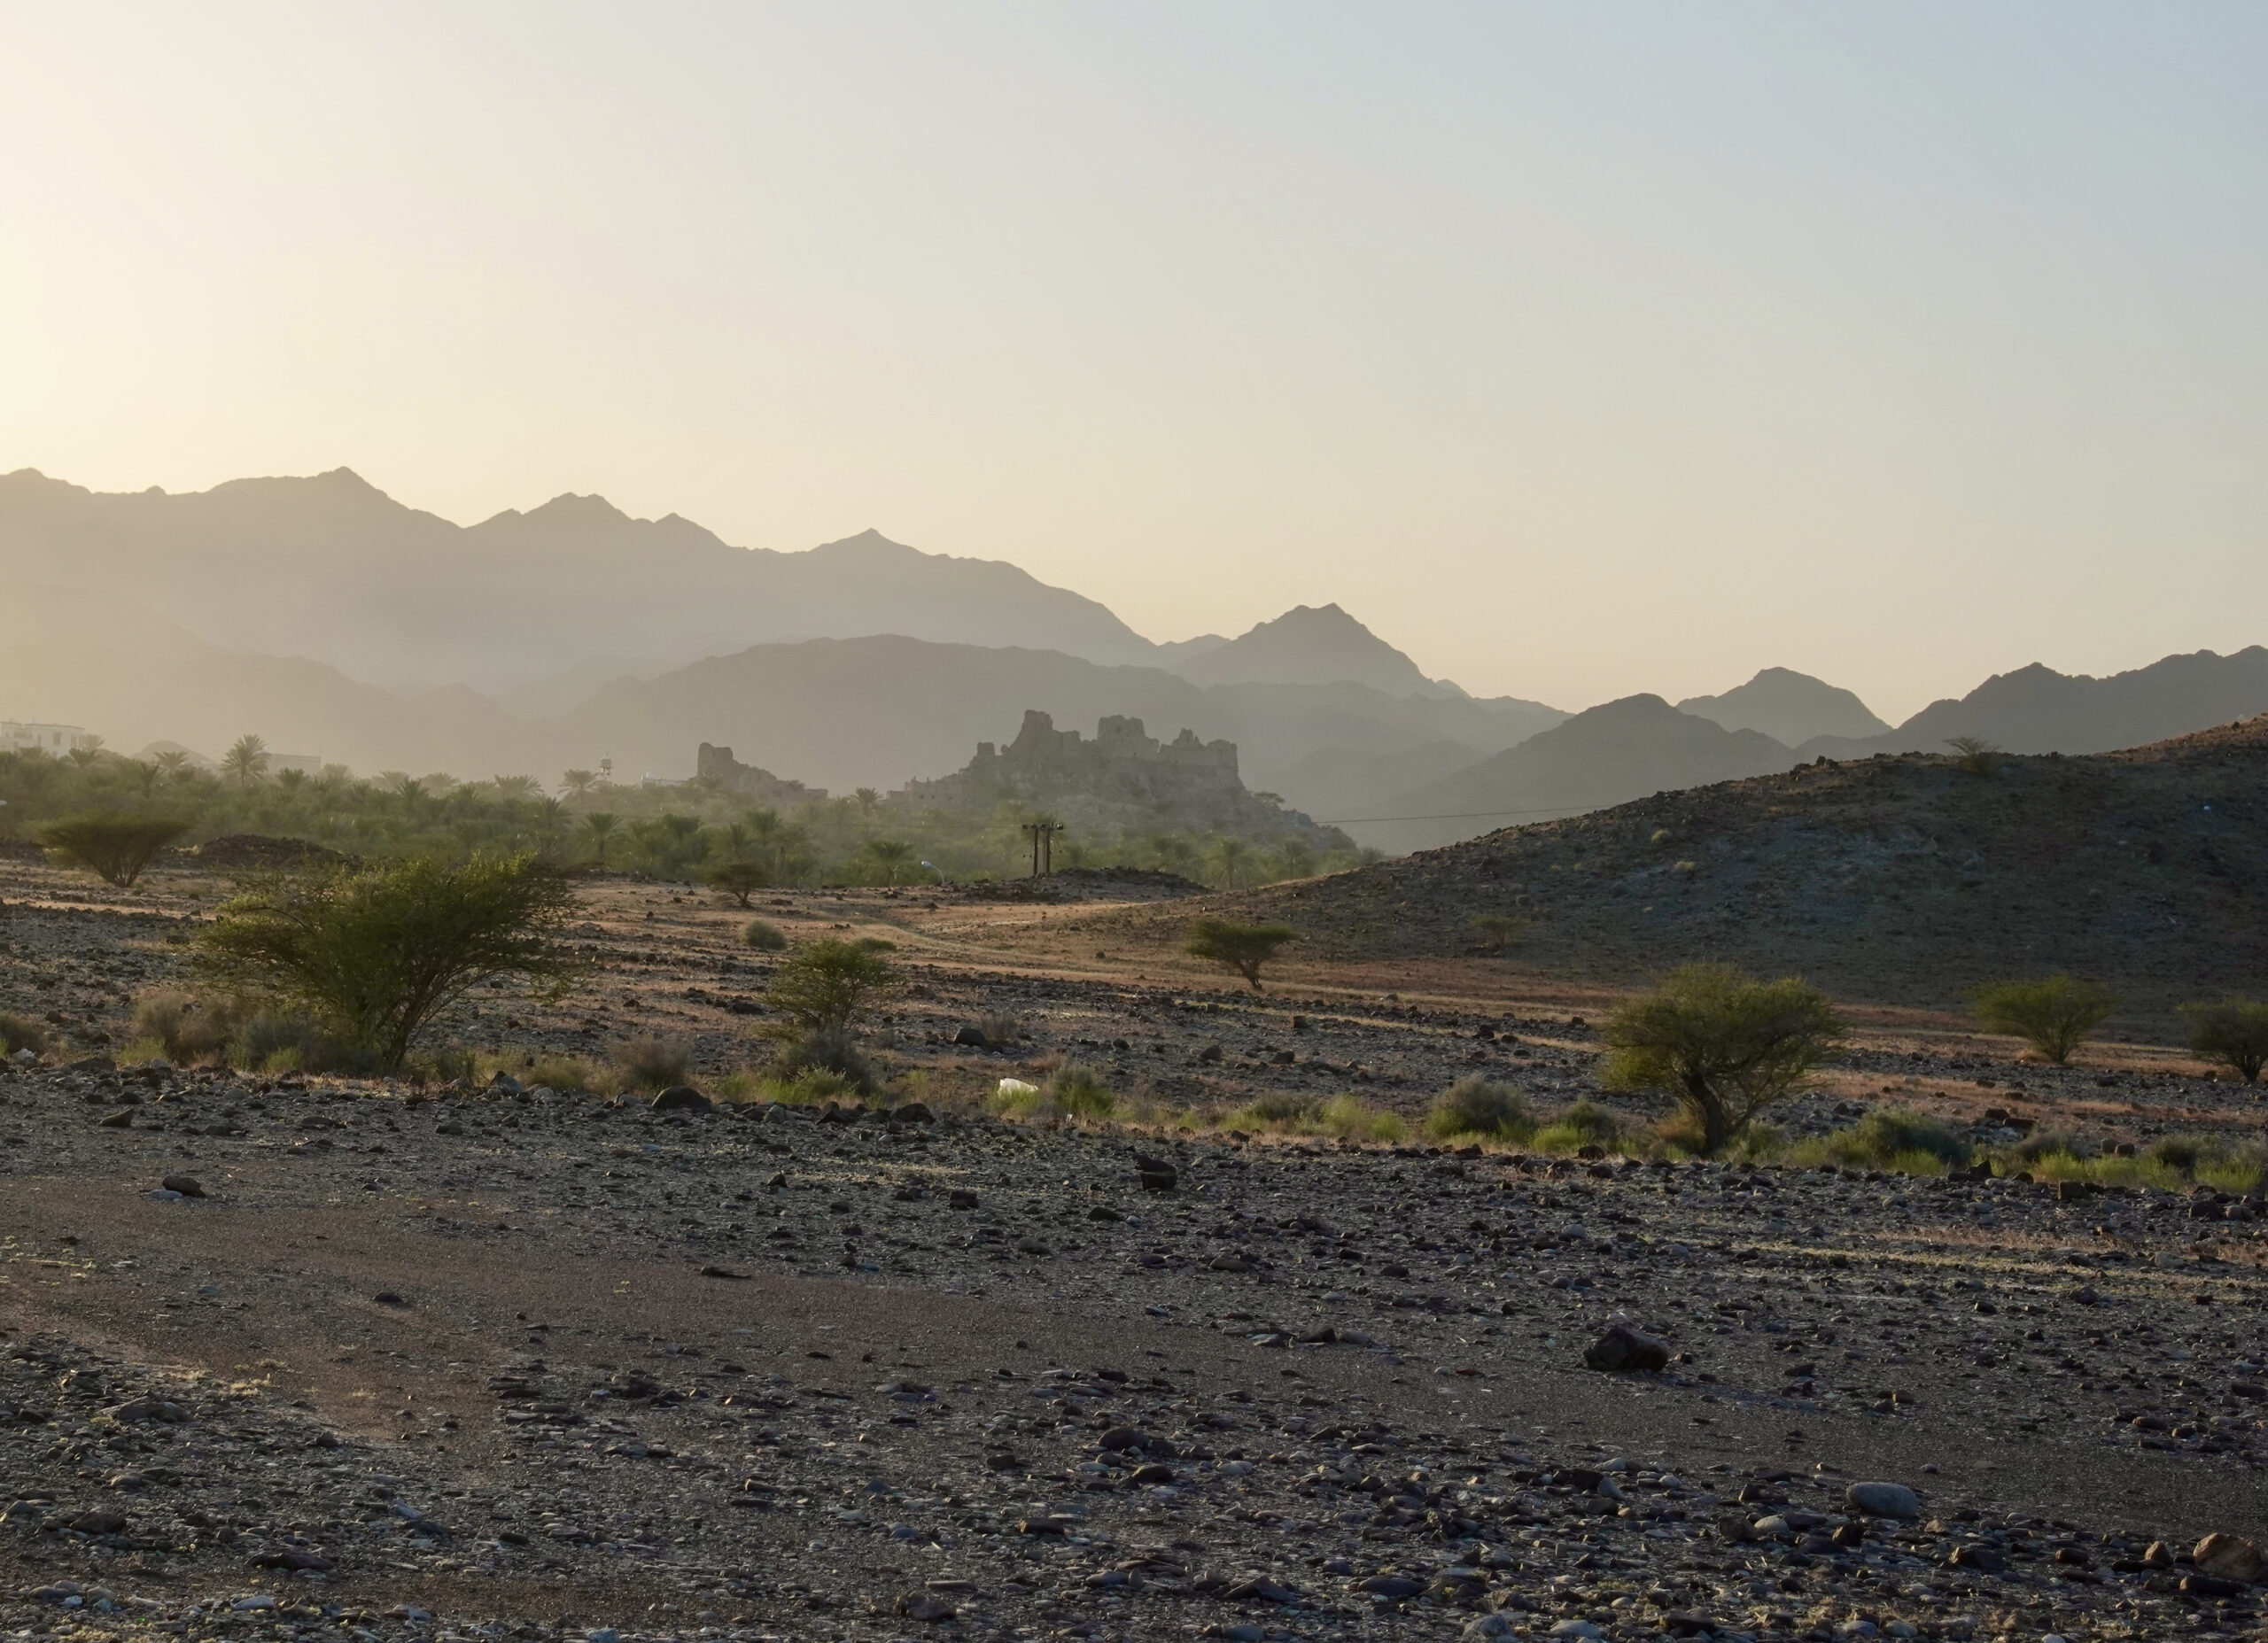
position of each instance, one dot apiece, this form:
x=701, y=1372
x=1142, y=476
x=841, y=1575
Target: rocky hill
x=1604, y=755
x=1900, y=879
x=1789, y=707
x=1309, y=644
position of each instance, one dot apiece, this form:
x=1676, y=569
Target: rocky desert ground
x=301, y=1357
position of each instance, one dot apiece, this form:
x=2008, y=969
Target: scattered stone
x=925, y=1606
x=1877, y=1500
x=1624, y=1350
x=187, y=1186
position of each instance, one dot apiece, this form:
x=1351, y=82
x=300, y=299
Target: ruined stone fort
x=1122, y=764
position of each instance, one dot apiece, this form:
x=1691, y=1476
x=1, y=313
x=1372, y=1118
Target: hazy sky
x=1579, y=349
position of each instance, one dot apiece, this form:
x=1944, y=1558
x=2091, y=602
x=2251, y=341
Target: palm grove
x=113, y=813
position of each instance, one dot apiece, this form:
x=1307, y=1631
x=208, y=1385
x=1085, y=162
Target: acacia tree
x=376, y=952
x=1243, y=948
x=827, y=985
x=740, y=879
x=115, y=847
x=2055, y=1014
x=1723, y=1045
x=2234, y=1032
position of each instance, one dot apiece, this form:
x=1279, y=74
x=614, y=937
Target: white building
x=55, y=740
x=307, y=764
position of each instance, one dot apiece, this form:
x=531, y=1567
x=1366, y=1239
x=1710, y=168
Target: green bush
x=1344, y=1118
x=1243, y=948
x=1722, y=1045
x=998, y=1029
x=190, y=1031
x=1585, y=1124
x=1885, y=1136
x=651, y=1060
x=1079, y=1092
x=570, y=1076
x=2055, y=1014
x=114, y=847
x=832, y=1053
x=814, y=1086
x=2211, y=1160
x=1908, y=1143
x=1474, y=1106
x=1350, y=1117
x=2234, y=1032
x=21, y=1031
x=2039, y=1150
x=764, y=936
x=375, y=953
x=2172, y=1164
x=282, y=1041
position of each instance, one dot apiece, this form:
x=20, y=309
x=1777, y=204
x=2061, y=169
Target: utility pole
x=1042, y=831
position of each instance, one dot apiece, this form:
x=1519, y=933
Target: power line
x=1546, y=809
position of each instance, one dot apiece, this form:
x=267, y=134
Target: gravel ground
x=529, y=1361
x=524, y=1364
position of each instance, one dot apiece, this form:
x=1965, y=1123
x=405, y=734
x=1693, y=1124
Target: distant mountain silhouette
x=390, y=594
x=1309, y=644
x=1609, y=755
x=136, y=678
x=839, y=714
x=1789, y=707
x=846, y=713
x=2036, y=709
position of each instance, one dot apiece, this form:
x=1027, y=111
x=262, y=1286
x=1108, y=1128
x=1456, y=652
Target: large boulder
x=1884, y=1500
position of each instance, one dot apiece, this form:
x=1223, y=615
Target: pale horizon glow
x=1577, y=349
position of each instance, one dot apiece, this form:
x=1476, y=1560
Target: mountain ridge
x=403, y=595
x=1309, y=644
x=1789, y=707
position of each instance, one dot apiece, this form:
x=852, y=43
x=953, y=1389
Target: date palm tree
x=891, y=855
x=1233, y=856
x=599, y=825
x=245, y=761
